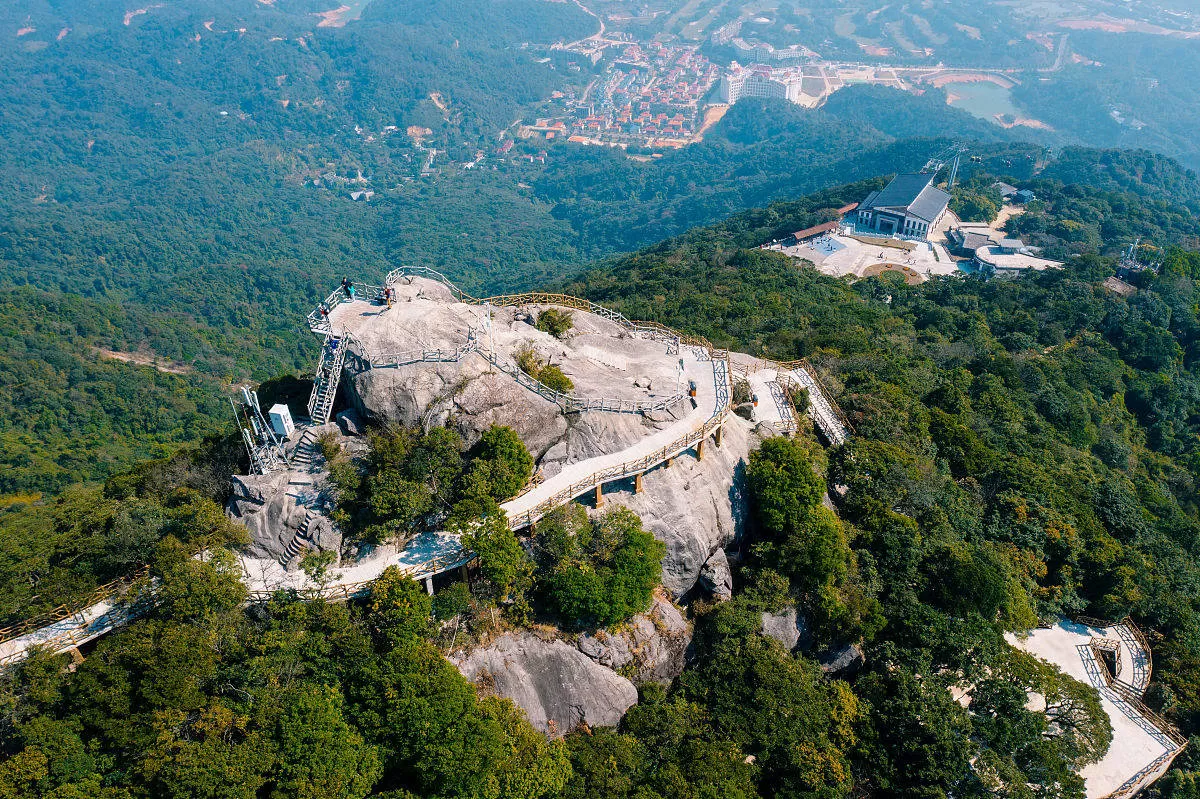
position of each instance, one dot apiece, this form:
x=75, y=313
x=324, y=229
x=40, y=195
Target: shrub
x=329, y=446
x=549, y=376
x=800, y=400
x=528, y=360
x=508, y=463
x=553, y=378
x=741, y=392
x=555, y=322
x=600, y=573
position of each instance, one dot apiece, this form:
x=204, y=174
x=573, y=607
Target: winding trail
x=435, y=553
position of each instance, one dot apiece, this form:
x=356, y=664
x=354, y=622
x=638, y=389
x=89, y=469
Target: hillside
x=1020, y=449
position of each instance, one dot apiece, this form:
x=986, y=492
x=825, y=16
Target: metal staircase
x=303, y=458
x=325, y=383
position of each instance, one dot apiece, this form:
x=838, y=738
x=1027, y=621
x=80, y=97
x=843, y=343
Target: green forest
x=175, y=196
x=1023, y=449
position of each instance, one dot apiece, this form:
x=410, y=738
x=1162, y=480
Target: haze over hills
x=785, y=538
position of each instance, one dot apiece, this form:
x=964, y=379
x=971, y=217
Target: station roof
x=913, y=195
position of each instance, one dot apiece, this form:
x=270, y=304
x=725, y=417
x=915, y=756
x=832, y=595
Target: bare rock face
x=350, y=423
x=470, y=398
x=715, y=577
x=556, y=685
x=844, y=661
x=276, y=507
x=694, y=507
x=788, y=628
x=651, y=647
x=269, y=511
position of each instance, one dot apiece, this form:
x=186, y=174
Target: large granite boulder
x=280, y=507
x=650, y=647
x=843, y=661
x=269, y=510
x=694, y=507
x=788, y=628
x=716, y=578
x=556, y=685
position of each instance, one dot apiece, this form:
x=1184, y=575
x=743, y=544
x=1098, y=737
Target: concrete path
x=1140, y=751
x=423, y=557
x=764, y=377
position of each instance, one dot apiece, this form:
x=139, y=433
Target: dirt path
x=1006, y=213
x=143, y=358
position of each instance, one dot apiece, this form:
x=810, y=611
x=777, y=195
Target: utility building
x=908, y=206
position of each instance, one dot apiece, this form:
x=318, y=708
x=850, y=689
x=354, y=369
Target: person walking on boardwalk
x=347, y=286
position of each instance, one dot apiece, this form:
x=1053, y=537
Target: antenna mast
x=263, y=445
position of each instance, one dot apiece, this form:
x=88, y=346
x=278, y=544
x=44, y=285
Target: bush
x=800, y=400
x=329, y=446
x=555, y=322
x=553, y=378
x=527, y=359
x=600, y=573
x=550, y=376
x=741, y=392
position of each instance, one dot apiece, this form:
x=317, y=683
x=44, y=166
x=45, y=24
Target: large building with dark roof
x=908, y=206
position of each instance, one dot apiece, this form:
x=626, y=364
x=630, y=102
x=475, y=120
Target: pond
x=982, y=99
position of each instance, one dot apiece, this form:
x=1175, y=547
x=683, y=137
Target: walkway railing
x=117, y=587
x=637, y=466
x=824, y=411
x=343, y=592
x=573, y=404
x=318, y=323
x=1135, y=642
x=781, y=388
x=365, y=360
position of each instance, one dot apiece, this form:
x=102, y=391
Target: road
x=598, y=34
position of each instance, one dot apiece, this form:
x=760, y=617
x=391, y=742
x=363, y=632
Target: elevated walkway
x=771, y=381
x=1114, y=658
x=431, y=554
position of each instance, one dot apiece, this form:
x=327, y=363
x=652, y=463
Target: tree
x=597, y=574
x=783, y=481
x=398, y=609
x=501, y=466
x=197, y=589
x=217, y=754
x=503, y=562
x=916, y=741
x=319, y=754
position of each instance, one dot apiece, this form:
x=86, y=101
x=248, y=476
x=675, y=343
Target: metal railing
x=1154, y=723
x=1143, y=666
x=343, y=592
x=116, y=587
x=573, y=404
x=329, y=375
x=1146, y=775
x=721, y=376
x=318, y=323
x=823, y=410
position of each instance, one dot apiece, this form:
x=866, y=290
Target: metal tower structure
x=952, y=155
x=263, y=445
